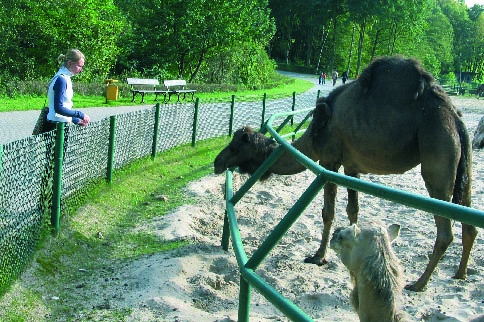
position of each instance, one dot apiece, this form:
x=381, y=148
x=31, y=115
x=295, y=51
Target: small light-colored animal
x=365, y=249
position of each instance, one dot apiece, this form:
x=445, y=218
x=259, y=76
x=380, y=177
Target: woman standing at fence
x=60, y=92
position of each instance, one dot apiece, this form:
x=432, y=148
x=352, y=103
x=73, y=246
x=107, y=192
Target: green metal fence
x=247, y=266
x=43, y=176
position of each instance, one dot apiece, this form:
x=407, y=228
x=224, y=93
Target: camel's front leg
x=328, y=218
x=443, y=240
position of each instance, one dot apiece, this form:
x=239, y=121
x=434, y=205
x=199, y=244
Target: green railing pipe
x=264, y=99
x=248, y=276
x=232, y=113
x=291, y=310
x=244, y=300
x=247, y=266
x=286, y=223
x=442, y=208
x=156, y=130
x=112, y=141
x=257, y=174
x=195, y=121
x=57, y=183
x=240, y=254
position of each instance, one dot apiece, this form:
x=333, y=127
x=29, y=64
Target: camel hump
x=395, y=78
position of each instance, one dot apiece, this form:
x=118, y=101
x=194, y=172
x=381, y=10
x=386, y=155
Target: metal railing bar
x=291, y=310
x=249, y=278
x=240, y=254
x=442, y=208
x=257, y=174
x=285, y=224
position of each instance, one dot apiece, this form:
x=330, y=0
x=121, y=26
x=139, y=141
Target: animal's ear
x=322, y=111
x=393, y=231
x=321, y=115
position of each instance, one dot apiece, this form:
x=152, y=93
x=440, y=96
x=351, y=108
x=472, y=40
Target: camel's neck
x=287, y=164
x=371, y=305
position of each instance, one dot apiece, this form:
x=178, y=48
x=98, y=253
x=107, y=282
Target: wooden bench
x=177, y=87
x=143, y=86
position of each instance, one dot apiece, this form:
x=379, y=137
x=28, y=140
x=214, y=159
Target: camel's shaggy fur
x=391, y=119
x=375, y=271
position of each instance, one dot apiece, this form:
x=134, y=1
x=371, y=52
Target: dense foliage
x=445, y=35
x=234, y=41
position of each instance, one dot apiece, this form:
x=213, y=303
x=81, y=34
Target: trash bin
x=111, y=89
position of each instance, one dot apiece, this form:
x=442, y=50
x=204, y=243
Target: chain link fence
x=27, y=182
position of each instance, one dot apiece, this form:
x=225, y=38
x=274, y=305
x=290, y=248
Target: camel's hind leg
x=442, y=242
x=469, y=234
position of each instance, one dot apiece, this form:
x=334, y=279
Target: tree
x=457, y=14
x=177, y=35
x=36, y=32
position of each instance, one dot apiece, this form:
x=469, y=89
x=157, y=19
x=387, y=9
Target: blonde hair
x=72, y=55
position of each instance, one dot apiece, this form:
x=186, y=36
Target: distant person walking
x=323, y=75
x=344, y=77
x=334, y=76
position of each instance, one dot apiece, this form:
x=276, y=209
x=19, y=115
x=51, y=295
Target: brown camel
x=377, y=276
x=392, y=118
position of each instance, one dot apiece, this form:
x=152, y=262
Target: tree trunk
x=351, y=49
x=333, y=50
x=181, y=64
x=323, y=40
x=375, y=43
x=360, y=45
x=200, y=60
x=308, y=46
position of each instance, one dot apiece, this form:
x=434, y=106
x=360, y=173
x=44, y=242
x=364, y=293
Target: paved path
x=18, y=125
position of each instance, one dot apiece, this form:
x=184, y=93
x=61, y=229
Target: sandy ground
x=200, y=282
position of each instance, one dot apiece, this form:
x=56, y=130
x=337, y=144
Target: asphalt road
x=18, y=125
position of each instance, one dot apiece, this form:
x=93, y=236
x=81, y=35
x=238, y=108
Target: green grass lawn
x=25, y=103
x=140, y=192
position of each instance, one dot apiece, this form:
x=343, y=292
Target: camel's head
x=247, y=151
x=358, y=242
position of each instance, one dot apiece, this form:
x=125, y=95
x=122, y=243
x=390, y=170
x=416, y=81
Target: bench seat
x=177, y=87
x=142, y=86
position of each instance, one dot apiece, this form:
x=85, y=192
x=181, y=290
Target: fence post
x=263, y=110
x=195, y=122
x=319, y=93
x=57, y=183
x=244, y=300
x=232, y=112
x=112, y=140
x=154, y=147
x=293, y=107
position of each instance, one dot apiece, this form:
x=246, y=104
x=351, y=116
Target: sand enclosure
x=200, y=282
